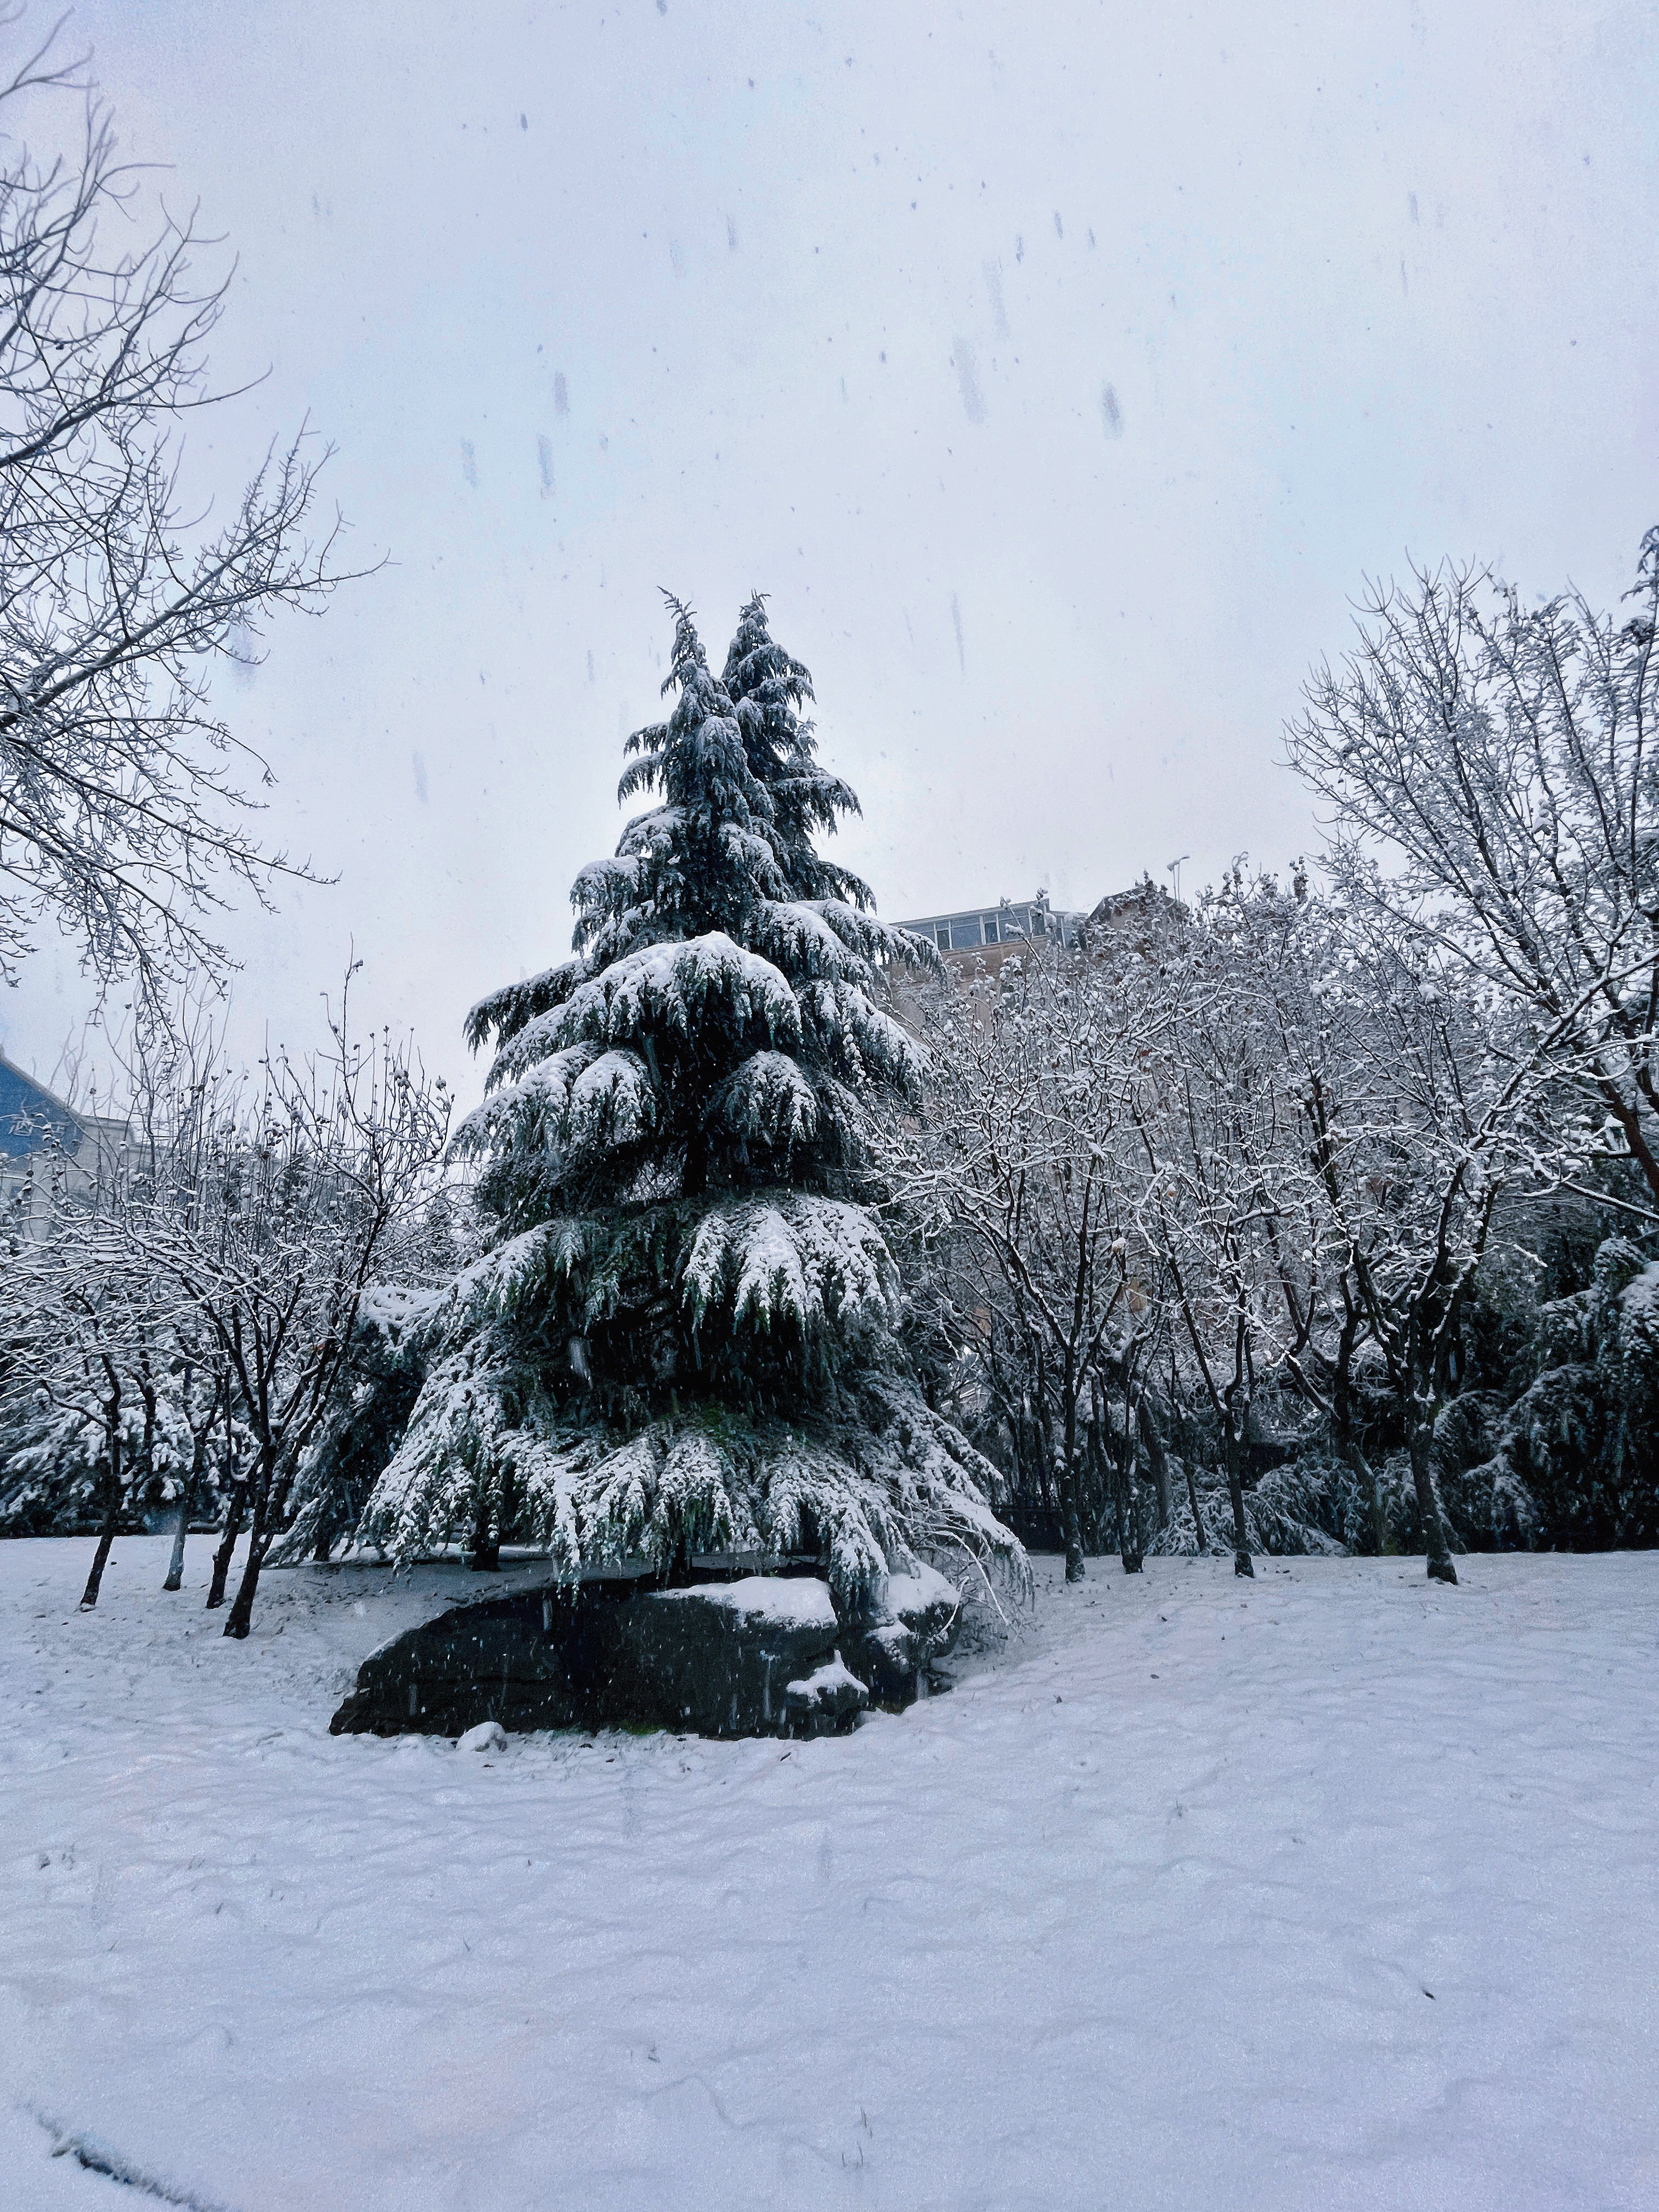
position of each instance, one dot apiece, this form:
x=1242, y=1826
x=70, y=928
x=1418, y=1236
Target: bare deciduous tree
x=1026, y=1167
x=86, y=1398
x=1492, y=774
x=1226, y=1203
x=271, y=1210
x=124, y=796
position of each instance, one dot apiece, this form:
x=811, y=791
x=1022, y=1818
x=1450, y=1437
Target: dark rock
x=829, y=1695
x=717, y=1659
x=505, y=1659
x=915, y=1623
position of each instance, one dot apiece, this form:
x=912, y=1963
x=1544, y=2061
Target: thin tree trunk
x=1074, y=1572
x=1235, y=1435
x=1027, y=1477
x=1052, y=1482
x=1370, y=1482
x=147, y=1449
x=1347, y=1437
x=486, y=1558
x=111, y=1514
x=222, y=1558
x=1160, y=1462
x=1126, y=1503
x=176, y=1565
x=239, y=1620
x=1420, y=1413
x=1128, y=1516
x=1198, y=1518
x=100, y=1559
x=1054, y=1474
x=1370, y=1489
x=1183, y=1438
x=268, y=1489
x=1098, y=1532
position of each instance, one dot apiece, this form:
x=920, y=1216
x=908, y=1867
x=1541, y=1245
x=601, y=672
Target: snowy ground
x=1335, y=1890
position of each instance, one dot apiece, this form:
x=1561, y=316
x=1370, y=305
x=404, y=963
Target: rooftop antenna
x=1173, y=868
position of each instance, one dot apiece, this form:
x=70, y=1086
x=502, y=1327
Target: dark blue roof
x=28, y=1110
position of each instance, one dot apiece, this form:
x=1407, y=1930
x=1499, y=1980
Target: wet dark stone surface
x=714, y=1660
x=602, y=1656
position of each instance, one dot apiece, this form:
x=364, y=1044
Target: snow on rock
x=800, y=1600
x=916, y=1621
x=829, y=1691
x=715, y=1657
x=489, y=1736
x=1334, y=1890
x=711, y=1659
x=916, y=1596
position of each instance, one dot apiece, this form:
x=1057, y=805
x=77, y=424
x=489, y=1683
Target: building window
x=989, y=924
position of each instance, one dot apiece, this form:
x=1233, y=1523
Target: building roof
x=28, y=1110
x=1001, y=921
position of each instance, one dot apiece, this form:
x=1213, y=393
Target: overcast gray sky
x=1060, y=370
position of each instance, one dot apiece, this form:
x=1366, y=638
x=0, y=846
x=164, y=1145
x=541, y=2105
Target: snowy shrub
x=1288, y=1513
x=1572, y=1464
x=366, y=1420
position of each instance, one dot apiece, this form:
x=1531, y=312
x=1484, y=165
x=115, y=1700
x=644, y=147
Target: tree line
x=1340, y=1192
x=179, y=1306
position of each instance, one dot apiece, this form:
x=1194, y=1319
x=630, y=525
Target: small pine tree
x=683, y=1334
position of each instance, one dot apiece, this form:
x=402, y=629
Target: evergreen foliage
x=1573, y=1465
x=370, y=1410
x=55, y=1455
x=682, y=1335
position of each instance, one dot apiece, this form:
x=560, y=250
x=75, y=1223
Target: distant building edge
x=1002, y=922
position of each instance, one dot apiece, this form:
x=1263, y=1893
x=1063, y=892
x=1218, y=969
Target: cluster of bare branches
x=1014, y=1184
x=1492, y=774
x=1231, y=1150
x=125, y=798
x=1267, y=1144
x=214, y=1262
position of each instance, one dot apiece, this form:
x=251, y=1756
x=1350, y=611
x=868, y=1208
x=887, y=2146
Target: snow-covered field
x=1338, y=1889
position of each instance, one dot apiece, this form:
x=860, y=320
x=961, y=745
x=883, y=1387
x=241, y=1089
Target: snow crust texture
x=1338, y=1892
x=803, y=1600
x=489, y=1736
x=831, y=1688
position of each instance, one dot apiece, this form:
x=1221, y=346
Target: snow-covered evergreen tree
x=683, y=1336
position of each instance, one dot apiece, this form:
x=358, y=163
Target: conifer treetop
x=718, y=1020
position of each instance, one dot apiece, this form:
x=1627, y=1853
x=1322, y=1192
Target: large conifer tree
x=683, y=1336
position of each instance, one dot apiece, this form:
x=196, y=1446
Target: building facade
x=997, y=929
x=41, y=1135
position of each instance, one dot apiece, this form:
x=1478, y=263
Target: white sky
x=1059, y=370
